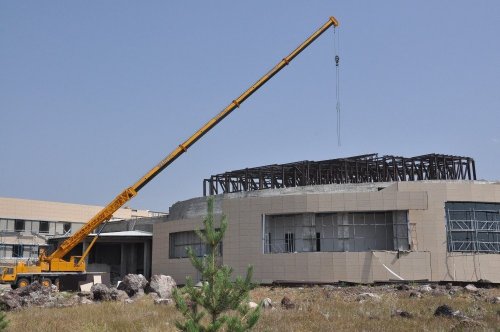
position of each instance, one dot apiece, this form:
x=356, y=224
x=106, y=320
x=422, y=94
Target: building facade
x=26, y=225
x=437, y=230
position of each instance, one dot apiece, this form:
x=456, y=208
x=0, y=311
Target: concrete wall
x=424, y=201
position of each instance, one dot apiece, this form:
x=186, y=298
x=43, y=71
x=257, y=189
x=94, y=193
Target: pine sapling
x=221, y=299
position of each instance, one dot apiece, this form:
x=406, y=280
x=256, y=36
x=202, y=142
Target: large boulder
x=100, y=292
x=162, y=285
x=133, y=284
x=10, y=301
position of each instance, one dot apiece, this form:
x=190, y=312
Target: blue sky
x=93, y=94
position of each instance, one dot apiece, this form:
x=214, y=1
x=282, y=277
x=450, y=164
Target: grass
x=316, y=310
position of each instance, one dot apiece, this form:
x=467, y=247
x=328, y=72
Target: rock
x=129, y=301
x=471, y=288
x=495, y=300
x=88, y=295
x=153, y=296
x=100, y=292
x=84, y=300
x=252, y=305
x=368, y=296
x=163, y=301
x=416, y=295
x=162, y=285
x=449, y=286
x=439, y=292
x=287, y=303
x=444, y=311
x=133, y=284
x=35, y=286
x=425, y=289
x=267, y=303
x=10, y=301
x=402, y=313
x=403, y=287
x=39, y=299
x=118, y=295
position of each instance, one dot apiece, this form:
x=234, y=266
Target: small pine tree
x=3, y=321
x=224, y=300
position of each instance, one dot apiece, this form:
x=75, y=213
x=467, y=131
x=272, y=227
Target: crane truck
x=49, y=268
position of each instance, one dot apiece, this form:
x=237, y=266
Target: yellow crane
x=49, y=268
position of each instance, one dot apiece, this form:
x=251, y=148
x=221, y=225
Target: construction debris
x=35, y=295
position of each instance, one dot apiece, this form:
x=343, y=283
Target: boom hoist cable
x=336, y=47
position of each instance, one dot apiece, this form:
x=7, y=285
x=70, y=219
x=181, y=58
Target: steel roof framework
x=357, y=169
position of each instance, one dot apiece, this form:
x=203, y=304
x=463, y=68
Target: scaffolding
x=358, y=169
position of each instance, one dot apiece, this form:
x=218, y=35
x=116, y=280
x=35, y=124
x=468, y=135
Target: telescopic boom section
x=107, y=212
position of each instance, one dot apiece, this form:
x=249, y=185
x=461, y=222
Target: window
x=289, y=242
x=19, y=225
x=473, y=227
x=181, y=240
x=17, y=250
x=318, y=241
x=67, y=227
x=268, y=243
x=43, y=227
x=337, y=232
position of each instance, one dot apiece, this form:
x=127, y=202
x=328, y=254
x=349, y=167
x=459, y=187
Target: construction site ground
x=317, y=308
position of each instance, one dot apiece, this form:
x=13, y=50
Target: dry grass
x=317, y=310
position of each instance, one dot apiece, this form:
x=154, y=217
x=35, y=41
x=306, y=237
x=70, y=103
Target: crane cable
x=336, y=47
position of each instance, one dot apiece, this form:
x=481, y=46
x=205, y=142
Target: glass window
x=19, y=225
x=180, y=241
x=43, y=227
x=343, y=231
x=289, y=242
x=17, y=250
x=67, y=227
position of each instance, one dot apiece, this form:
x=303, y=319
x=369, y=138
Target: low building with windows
x=27, y=225
x=360, y=219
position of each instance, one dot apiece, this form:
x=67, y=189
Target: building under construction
x=359, y=219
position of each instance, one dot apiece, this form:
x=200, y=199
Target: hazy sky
x=94, y=93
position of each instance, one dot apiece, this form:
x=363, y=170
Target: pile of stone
x=132, y=287
x=35, y=295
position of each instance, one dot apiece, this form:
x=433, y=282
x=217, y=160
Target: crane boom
x=107, y=212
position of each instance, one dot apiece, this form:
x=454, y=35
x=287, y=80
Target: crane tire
x=22, y=282
x=46, y=282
